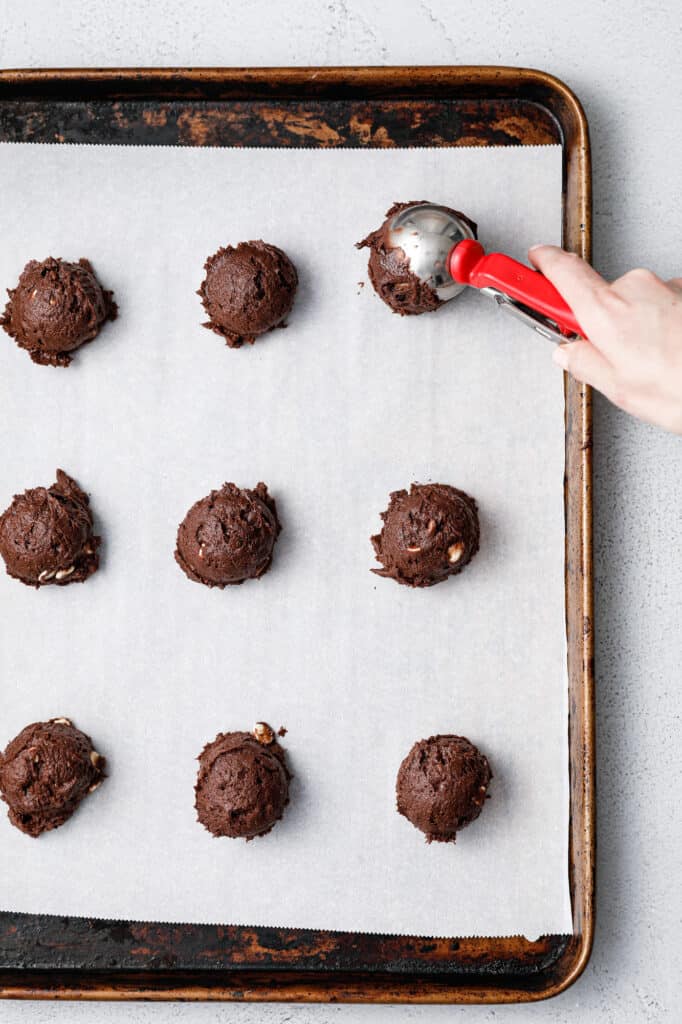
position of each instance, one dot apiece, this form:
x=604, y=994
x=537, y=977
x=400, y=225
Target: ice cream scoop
x=443, y=253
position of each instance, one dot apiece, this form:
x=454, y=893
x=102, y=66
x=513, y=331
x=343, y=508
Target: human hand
x=634, y=326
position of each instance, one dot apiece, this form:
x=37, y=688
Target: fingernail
x=539, y=245
x=560, y=356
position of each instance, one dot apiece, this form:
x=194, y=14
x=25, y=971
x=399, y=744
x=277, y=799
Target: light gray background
x=622, y=59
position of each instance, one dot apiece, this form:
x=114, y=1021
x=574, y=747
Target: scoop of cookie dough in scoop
x=46, y=535
x=389, y=267
x=55, y=308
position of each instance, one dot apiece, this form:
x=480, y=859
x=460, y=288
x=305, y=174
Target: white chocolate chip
x=263, y=733
x=94, y=786
x=46, y=575
x=95, y=758
x=62, y=721
x=414, y=549
x=63, y=573
x=431, y=528
x=455, y=552
x=201, y=551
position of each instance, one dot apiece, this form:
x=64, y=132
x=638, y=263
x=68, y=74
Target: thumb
x=584, y=362
x=574, y=279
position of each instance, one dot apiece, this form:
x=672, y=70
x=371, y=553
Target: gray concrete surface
x=623, y=61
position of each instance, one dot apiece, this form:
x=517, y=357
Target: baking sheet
x=345, y=405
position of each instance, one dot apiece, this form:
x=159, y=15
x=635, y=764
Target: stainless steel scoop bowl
x=426, y=233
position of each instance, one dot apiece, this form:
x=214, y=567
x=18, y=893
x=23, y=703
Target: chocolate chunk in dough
x=45, y=773
x=429, y=534
x=248, y=290
x=55, y=308
x=389, y=268
x=228, y=536
x=442, y=785
x=46, y=535
x=243, y=783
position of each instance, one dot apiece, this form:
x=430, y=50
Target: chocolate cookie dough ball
x=248, y=290
x=46, y=535
x=442, y=785
x=389, y=268
x=243, y=783
x=430, y=533
x=45, y=773
x=55, y=308
x=228, y=536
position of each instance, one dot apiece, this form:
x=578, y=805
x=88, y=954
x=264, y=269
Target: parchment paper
x=345, y=405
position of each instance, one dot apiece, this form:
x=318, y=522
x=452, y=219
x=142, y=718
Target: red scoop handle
x=469, y=264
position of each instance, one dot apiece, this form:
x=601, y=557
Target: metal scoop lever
x=516, y=288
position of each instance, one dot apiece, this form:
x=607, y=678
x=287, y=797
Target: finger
x=586, y=363
x=576, y=281
x=571, y=275
x=638, y=284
